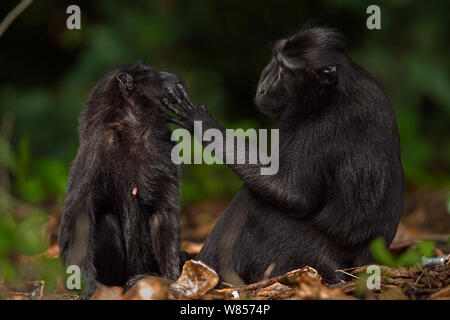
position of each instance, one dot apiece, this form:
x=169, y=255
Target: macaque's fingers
x=174, y=95
x=183, y=93
x=170, y=107
x=178, y=97
x=170, y=96
x=174, y=120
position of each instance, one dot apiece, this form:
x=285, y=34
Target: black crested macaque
x=340, y=181
x=121, y=209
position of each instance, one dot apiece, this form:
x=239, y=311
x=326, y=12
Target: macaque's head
x=305, y=68
x=136, y=86
x=142, y=80
x=129, y=96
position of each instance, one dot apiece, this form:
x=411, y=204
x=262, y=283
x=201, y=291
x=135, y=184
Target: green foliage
x=28, y=234
x=6, y=156
x=448, y=204
x=36, y=179
x=25, y=237
x=220, y=62
x=51, y=271
x=7, y=235
x=208, y=181
x=412, y=256
x=361, y=283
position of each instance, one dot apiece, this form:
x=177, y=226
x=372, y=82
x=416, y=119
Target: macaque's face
x=293, y=73
x=275, y=88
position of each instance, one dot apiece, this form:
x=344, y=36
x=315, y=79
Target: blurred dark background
x=219, y=48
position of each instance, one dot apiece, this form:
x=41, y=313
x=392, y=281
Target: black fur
x=340, y=182
x=108, y=231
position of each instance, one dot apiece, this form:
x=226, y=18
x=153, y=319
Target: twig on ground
x=347, y=273
x=41, y=293
x=418, y=278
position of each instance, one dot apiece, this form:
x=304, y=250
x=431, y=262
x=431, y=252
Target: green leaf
x=29, y=238
x=412, y=256
x=381, y=253
x=32, y=190
x=6, y=234
x=6, y=155
x=53, y=175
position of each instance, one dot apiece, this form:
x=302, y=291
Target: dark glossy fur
x=124, y=144
x=340, y=182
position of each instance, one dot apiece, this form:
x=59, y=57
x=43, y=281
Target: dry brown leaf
x=196, y=279
x=108, y=293
x=293, y=278
x=443, y=294
x=19, y=296
x=303, y=283
x=148, y=288
x=313, y=289
x=349, y=287
x=289, y=279
x=4, y=292
x=275, y=291
x=392, y=293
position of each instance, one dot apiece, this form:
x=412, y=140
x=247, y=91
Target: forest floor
x=426, y=216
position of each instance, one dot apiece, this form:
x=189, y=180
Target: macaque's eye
x=126, y=80
x=327, y=75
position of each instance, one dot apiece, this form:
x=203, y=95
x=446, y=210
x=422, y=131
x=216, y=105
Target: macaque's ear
x=327, y=75
x=126, y=80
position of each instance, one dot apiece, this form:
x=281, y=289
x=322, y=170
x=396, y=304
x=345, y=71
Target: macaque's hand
x=180, y=109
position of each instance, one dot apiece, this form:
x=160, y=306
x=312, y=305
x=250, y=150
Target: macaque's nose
x=169, y=79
